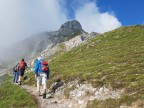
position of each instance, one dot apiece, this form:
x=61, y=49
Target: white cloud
x=92, y=20
x=22, y=18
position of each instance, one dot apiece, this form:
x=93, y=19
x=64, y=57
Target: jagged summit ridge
x=36, y=44
x=69, y=27
x=50, y=39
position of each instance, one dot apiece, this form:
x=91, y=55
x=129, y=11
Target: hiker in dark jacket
x=22, y=67
x=16, y=73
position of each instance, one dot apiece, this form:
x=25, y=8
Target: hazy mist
x=20, y=19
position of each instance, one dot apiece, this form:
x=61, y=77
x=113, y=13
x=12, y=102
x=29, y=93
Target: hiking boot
x=19, y=83
x=44, y=95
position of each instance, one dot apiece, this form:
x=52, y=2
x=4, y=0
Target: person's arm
x=48, y=73
x=36, y=69
x=18, y=67
x=26, y=65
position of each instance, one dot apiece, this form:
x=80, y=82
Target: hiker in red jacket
x=22, y=67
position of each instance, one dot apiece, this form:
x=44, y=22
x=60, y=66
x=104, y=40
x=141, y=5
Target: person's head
x=40, y=58
x=22, y=59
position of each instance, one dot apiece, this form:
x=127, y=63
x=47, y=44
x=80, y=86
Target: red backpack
x=45, y=66
x=22, y=65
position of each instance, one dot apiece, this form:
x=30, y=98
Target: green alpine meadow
x=12, y=96
x=114, y=59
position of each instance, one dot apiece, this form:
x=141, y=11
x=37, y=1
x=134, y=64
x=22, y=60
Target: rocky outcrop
x=35, y=44
x=70, y=27
x=45, y=44
x=67, y=45
x=64, y=46
x=48, y=40
x=74, y=95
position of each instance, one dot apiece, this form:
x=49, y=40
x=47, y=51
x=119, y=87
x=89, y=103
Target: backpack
x=45, y=66
x=22, y=65
x=16, y=68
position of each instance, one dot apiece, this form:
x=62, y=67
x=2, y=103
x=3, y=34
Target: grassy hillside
x=115, y=58
x=12, y=96
x=114, y=54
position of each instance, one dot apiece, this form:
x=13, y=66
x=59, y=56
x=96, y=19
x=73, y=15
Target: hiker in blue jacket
x=41, y=76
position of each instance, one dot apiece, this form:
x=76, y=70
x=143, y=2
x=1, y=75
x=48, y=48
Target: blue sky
x=23, y=18
x=129, y=12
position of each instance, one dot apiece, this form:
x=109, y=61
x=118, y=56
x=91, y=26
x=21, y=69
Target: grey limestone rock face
x=70, y=27
x=34, y=45
x=50, y=39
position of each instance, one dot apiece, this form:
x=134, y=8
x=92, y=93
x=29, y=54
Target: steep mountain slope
x=35, y=44
x=114, y=59
x=50, y=39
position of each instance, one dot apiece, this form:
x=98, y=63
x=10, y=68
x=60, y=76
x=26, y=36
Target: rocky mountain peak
x=40, y=42
x=70, y=27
